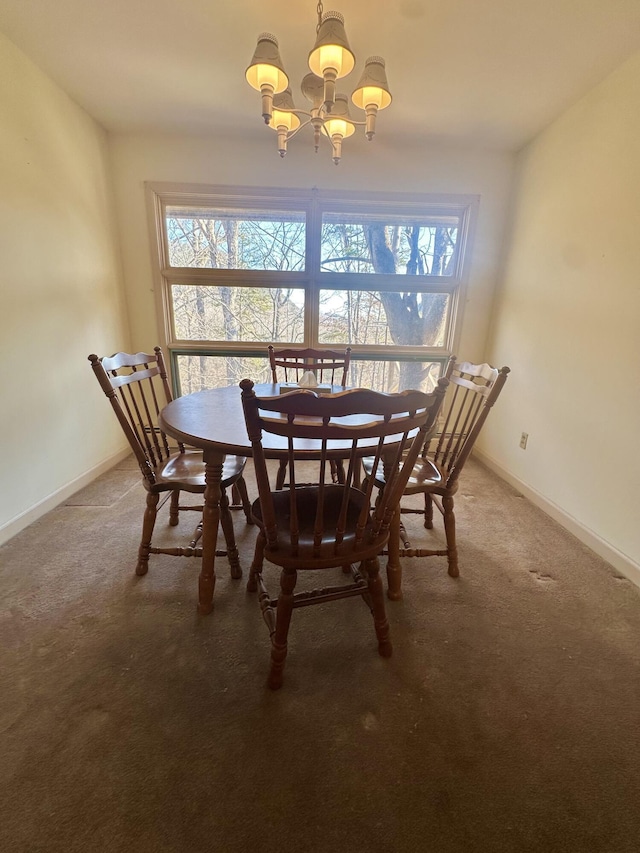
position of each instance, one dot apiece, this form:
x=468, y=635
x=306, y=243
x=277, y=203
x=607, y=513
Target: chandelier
x=330, y=59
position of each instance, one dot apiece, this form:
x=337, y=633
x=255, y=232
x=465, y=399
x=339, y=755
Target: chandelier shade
x=372, y=92
x=339, y=125
x=372, y=87
x=283, y=119
x=283, y=111
x=266, y=72
x=340, y=122
x=330, y=59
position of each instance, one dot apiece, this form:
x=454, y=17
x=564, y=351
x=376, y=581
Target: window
x=239, y=269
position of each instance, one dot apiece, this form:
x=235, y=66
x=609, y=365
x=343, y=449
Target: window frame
x=312, y=203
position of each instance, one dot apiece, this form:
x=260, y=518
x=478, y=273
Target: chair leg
x=174, y=508
x=148, y=523
x=428, y=511
x=226, y=522
x=256, y=565
x=380, y=621
x=337, y=471
x=241, y=488
x=197, y=535
x=282, y=473
x=394, y=569
x=450, y=531
x=284, y=610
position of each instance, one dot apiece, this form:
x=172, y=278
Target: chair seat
x=327, y=554
x=186, y=471
x=424, y=474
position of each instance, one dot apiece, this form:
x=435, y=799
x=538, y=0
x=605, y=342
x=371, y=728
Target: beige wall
x=381, y=166
x=568, y=322
x=60, y=293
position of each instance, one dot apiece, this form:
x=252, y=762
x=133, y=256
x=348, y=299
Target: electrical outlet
x=523, y=440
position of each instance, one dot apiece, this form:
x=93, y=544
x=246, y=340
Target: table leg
x=214, y=461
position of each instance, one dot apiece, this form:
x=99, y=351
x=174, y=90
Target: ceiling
x=487, y=73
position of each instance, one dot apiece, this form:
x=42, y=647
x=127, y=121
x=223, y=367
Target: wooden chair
x=329, y=366
x=137, y=388
x=473, y=389
x=329, y=525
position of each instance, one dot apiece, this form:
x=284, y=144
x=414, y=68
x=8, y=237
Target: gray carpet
x=506, y=720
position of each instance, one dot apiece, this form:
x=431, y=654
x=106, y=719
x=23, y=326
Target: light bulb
x=330, y=56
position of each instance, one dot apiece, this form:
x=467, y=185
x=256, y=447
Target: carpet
x=507, y=719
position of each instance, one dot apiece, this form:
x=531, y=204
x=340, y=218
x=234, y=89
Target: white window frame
x=313, y=203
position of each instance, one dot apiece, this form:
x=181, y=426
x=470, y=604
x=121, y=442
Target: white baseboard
x=15, y=525
x=625, y=565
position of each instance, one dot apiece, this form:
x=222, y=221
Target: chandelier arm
x=292, y=133
x=326, y=132
x=323, y=114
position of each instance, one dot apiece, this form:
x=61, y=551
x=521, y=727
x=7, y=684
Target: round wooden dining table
x=213, y=421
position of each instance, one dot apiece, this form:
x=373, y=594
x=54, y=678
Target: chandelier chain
x=320, y=10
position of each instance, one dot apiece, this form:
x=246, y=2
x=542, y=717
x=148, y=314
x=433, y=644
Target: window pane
x=393, y=245
x=200, y=372
x=376, y=318
x=394, y=376
x=235, y=239
x=217, y=313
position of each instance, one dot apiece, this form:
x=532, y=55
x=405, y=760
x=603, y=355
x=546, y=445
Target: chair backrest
x=138, y=388
x=329, y=366
x=391, y=426
x=473, y=389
